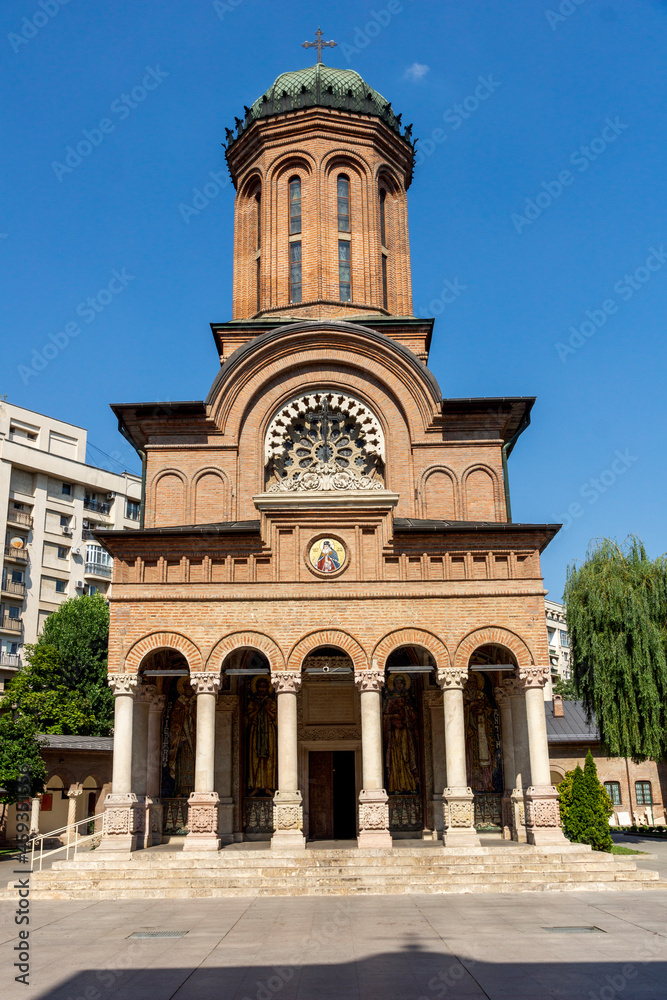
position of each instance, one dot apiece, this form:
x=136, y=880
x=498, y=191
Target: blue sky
x=541, y=198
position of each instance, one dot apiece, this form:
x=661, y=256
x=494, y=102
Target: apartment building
x=51, y=502
x=558, y=639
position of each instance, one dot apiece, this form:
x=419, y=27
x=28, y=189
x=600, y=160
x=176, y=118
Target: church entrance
x=332, y=796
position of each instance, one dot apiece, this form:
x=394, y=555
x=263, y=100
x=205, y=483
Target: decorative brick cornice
x=202, y=682
x=286, y=681
x=369, y=680
x=122, y=683
x=451, y=678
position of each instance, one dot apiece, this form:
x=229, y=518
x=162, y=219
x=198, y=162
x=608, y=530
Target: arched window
x=344, y=271
x=258, y=230
x=343, y=197
x=295, y=206
x=258, y=219
x=383, y=224
x=295, y=271
x=383, y=245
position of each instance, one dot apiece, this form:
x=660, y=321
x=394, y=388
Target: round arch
x=239, y=640
x=327, y=637
x=163, y=640
x=492, y=635
x=410, y=637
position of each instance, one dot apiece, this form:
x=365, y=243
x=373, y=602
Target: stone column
x=156, y=703
x=35, y=807
x=287, y=802
x=459, y=812
x=542, y=811
x=502, y=696
x=373, y=799
x=203, y=802
x=120, y=805
x=521, y=758
x=73, y=793
x=224, y=722
x=142, y=698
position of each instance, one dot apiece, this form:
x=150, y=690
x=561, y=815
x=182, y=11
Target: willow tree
x=617, y=622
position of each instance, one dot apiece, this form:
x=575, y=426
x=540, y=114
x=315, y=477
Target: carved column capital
x=452, y=678
x=122, y=683
x=157, y=702
x=74, y=790
x=510, y=687
x=286, y=681
x=369, y=680
x=145, y=693
x=203, y=682
x=533, y=676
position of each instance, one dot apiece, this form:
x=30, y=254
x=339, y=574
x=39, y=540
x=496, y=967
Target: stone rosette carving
x=122, y=683
x=277, y=435
x=458, y=808
x=287, y=812
x=533, y=676
x=325, y=476
x=203, y=682
x=373, y=815
x=122, y=815
x=451, y=678
x=542, y=809
x=286, y=681
x=203, y=814
x=369, y=680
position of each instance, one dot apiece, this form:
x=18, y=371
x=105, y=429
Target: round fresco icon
x=327, y=555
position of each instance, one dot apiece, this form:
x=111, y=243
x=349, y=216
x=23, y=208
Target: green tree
x=41, y=695
x=585, y=807
x=566, y=689
x=19, y=753
x=617, y=621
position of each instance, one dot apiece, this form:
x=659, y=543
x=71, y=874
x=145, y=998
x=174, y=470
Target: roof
x=415, y=524
x=216, y=528
x=572, y=727
x=324, y=87
x=59, y=741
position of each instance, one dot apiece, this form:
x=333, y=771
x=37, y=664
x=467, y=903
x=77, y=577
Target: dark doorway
x=332, y=810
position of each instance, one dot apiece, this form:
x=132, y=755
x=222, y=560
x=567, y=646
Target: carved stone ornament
x=203, y=682
x=287, y=812
x=145, y=693
x=458, y=808
x=369, y=680
x=157, y=702
x=452, y=678
x=533, y=676
x=75, y=790
x=373, y=815
x=542, y=807
x=286, y=681
x=122, y=683
x=280, y=428
x=202, y=819
x=511, y=687
x=122, y=815
x=325, y=476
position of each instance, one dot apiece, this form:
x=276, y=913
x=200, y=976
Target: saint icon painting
x=327, y=555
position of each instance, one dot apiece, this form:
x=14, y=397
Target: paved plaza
x=500, y=947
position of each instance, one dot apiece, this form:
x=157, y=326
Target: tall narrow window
x=644, y=793
x=294, y=206
x=257, y=286
x=295, y=271
x=343, y=195
x=383, y=225
x=258, y=204
x=344, y=275
x=384, y=281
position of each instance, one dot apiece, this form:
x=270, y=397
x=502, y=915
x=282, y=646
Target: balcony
x=17, y=555
x=98, y=569
x=16, y=589
x=11, y=624
x=12, y=660
x=96, y=505
x=19, y=517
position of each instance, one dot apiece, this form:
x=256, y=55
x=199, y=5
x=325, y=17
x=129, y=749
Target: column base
x=543, y=816
x=518, y=816
x=121, y=823
x=288, y=822
x=459, y=817
x=202, y=832
x=374, y=820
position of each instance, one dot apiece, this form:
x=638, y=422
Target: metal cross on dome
x=318, y=44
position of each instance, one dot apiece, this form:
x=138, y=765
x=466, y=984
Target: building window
x=383, y=222
x=63, y=552
x=344, y=275
x=564, y=638
x=258, y=208
x=61, y=586
x=384, y=282
x=343, y=195
x=643, y=793
x=294, y=206
x=97, y=555
x=66, y=489
x=13, y=612
x=257, y=284
x=132, y=510
x=614, y=792
x=295, y=271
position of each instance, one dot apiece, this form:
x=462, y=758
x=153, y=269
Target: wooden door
x=320, y=785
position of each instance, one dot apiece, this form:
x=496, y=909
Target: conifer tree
x=585, y=807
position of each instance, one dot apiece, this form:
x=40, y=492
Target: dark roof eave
x=218, y=528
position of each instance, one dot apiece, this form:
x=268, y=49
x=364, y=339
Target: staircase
x=167, y=874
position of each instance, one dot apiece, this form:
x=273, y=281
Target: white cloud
x=416, y=72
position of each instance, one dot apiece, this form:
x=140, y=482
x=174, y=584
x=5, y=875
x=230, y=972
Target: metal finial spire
x=318, y=44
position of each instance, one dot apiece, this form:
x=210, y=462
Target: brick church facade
x=328, y=626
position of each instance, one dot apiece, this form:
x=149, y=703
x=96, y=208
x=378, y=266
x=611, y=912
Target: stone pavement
x=498, y=947
x=655, y=849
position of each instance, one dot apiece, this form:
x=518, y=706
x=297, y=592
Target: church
x=327, y=627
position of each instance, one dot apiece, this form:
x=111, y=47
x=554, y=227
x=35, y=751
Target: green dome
x=319, y=86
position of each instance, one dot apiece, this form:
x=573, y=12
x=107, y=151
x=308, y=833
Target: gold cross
x=319, y=44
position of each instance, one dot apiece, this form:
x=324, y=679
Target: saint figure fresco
x=261, y=738
x=179, y=740
x=327, y=555
x=400, y=738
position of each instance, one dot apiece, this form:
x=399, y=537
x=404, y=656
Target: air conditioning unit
x=111, y=496
x=67, y=531
x=76, y=551
x=80, y=584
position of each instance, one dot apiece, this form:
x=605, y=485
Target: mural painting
x=178, y=753
x=483, y=749
x=400, y=725
x=261, y=754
